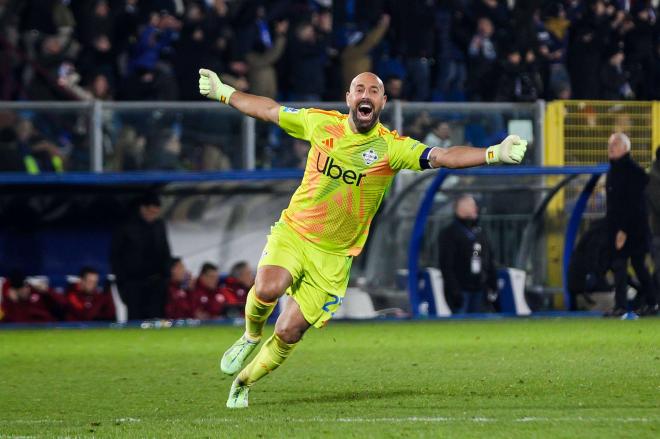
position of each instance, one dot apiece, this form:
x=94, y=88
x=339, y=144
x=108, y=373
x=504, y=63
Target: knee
x=268, y=290
x=289, y=333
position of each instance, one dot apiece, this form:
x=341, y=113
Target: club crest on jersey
x=369, y=157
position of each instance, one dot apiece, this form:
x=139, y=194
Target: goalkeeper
x=351, y=163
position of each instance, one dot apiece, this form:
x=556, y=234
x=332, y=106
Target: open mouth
x=365, y=110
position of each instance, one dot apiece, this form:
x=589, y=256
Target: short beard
x=363, y=129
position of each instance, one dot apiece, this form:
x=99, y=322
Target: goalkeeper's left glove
x=213, y=88
x=511, y=150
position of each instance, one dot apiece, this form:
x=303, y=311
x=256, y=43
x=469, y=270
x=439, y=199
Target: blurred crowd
x=297, y=50
x=308, y=50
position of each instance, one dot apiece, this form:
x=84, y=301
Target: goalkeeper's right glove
x=511, y=150
x=212, y=87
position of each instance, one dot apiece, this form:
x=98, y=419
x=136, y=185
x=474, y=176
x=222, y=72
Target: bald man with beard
x=351, y=163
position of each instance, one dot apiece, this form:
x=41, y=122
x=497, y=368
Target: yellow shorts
x=319, y=278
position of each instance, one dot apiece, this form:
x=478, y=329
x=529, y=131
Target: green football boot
x=233, y=359
x=238, y=396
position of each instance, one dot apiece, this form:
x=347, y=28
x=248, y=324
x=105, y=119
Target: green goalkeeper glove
x=212, y=87
x=511, y=150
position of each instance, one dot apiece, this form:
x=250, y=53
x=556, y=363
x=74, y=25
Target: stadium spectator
x=552, y=39
x=86, y=301
x=628, y=225
x=207, y=299
x=440, y=135
x=414, y=44
x=261, y=60
x=356, y=57
x=482, y=63
x=236, y=286
x=614, y=83
x=192, y=50
x=11, y=159
x=520, y=80
x=420, y=125
x=25, y=303
x=394, y=88
x=152, y=49
x=179, y=305
x=466, y=259
x=452, y=40
x=640, y=46
x=39, y=154
x=140, y=258
x=589, y=36
x=653, y=196
x=306, y=62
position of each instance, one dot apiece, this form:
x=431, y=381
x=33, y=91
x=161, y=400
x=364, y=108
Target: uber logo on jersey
x=336, y=172
x=369, y=156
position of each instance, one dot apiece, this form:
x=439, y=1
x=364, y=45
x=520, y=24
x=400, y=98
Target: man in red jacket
x=179, y=304
x=207, y=300
x=86, y=301
x=24, y=303
x=236, y=286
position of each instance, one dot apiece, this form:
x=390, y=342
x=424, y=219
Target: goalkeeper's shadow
x=366, y=395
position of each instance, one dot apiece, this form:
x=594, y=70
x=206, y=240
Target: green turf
x=521, y=378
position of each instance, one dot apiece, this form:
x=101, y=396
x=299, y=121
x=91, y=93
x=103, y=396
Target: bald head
x=618, y=146
x=365, y=99
x=368, y=79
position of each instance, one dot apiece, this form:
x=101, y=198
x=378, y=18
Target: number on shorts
x=335, y=300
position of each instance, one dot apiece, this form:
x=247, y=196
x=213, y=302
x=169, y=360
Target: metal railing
x=104, y=136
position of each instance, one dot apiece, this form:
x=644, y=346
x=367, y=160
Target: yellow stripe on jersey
x=345, y=178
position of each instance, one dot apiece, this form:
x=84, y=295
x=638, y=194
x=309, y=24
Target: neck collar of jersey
x=371, y=132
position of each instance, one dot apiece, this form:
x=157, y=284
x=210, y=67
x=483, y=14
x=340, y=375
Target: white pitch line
x=437, y=419
x=406, y=419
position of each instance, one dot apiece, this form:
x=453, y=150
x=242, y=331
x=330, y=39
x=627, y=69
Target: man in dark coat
x=653, y=196
x=140, y=258
x=627, y=222
x=466, y=259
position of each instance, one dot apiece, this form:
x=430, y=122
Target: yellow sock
x=256, y=314
x=270, y=357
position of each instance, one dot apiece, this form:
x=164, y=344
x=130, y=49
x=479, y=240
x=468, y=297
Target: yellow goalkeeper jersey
x=345, y=178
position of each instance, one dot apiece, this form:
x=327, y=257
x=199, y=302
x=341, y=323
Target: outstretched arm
x=511, y=150
x=259, y=107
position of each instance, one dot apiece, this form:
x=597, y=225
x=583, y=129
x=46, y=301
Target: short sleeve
x=295, y=122
x=407, y=153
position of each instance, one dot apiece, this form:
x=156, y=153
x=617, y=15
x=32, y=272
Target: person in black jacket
x=627, y=221
x=140, y=259
x=466, y=259
x=653, y=197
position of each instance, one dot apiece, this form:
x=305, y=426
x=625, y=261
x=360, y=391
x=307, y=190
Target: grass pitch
x=509, y=378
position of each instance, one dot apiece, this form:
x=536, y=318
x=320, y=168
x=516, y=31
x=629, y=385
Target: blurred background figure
x=26, y=303
x=140, y=258
x=86, y=301
x=208, y=302
x=628, y=225
x=439, y=136
x=466, y=260
x=653, y=197
x=261, y=60
x=179, y=301
x=236, y=286
x=356, y=57
x=482, y=62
